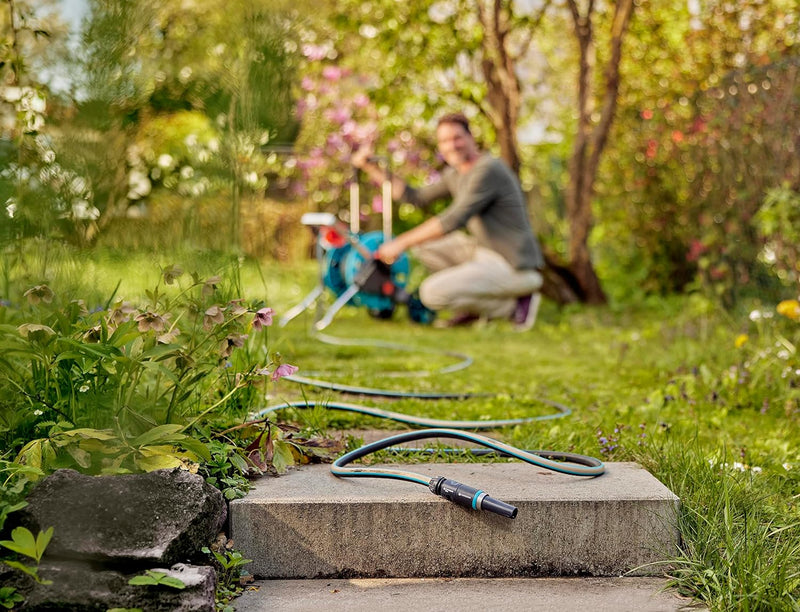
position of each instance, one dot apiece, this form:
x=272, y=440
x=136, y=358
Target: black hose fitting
x=470, y=497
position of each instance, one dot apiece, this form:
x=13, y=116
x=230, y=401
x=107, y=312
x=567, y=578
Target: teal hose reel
x=349, y=270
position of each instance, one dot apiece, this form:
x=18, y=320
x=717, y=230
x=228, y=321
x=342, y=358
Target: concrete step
x=310, y=524
x=466, y=594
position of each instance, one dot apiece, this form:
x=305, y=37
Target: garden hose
x=456, y=492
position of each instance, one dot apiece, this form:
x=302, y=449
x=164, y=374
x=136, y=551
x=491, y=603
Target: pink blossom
x=377, y=204
x=284, y=370
x=361, y=100
x=314, y=52
x=151, y=320
x=337, y=115
x=307, y=84
x=263, y=318
x=231, y=342
x=331, y=73
x=349, y=127
x=334, y=141
x=696, y=249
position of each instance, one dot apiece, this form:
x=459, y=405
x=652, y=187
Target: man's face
x=456, y=144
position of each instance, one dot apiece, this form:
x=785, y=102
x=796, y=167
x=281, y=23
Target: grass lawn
x=672, y=384
x=708, y=401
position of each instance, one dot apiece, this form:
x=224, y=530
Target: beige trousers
x=469, y=278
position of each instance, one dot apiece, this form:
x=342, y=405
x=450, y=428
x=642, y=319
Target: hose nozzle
x=470, y=497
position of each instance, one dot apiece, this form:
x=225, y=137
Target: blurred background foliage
x=214, y=125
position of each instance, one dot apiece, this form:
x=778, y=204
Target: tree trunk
x=503, y=98
x=591, y=140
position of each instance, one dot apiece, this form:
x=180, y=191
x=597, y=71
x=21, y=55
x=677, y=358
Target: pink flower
x=331, y=73
x=263, y=318
x=361, y=100
x=696, y=249
x=315, y=52
x=151, y=320
x=231, y=342
x=284, y=370
x=337, y=115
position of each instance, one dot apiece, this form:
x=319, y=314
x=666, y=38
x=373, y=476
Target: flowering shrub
x=337, y=115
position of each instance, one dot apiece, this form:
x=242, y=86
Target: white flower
x=78, y=185
x=81, y=209
x=83, y=388
x=787, y=466
x=139, y=185
x=739, y=467
x=165, y=160
x=755, y=315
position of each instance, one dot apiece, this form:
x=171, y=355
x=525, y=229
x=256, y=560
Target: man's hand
x=389, y=252
x=361, y=155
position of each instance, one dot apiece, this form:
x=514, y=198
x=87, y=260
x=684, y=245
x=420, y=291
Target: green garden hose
x=477, y=499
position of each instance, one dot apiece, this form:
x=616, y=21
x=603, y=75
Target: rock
x=159, y=518
x=80, y=587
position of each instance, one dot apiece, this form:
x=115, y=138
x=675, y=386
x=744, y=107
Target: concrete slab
x=467, y=594
x=310, y=524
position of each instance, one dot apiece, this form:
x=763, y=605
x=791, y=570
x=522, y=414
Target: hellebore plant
x=124, y=387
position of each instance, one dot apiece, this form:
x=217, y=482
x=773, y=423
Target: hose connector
x=470, y=497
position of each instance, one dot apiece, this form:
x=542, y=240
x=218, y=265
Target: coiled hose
x=461, y=494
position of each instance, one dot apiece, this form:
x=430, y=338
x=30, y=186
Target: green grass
x=660, y=382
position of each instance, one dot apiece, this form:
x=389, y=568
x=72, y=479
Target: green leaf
x=30, y=571
x=160, y=433
x=42, y=540
x=81, y=457
x=197, y=447
x=157, y=461
x=175, y=583
x=155, y=578
x=31, y=454
x=22, y=541
x=282, y=456
x=89, y=433
x=236, y=461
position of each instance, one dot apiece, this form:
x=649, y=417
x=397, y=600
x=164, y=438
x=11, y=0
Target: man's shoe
x=524, y=315
x=458, y=320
